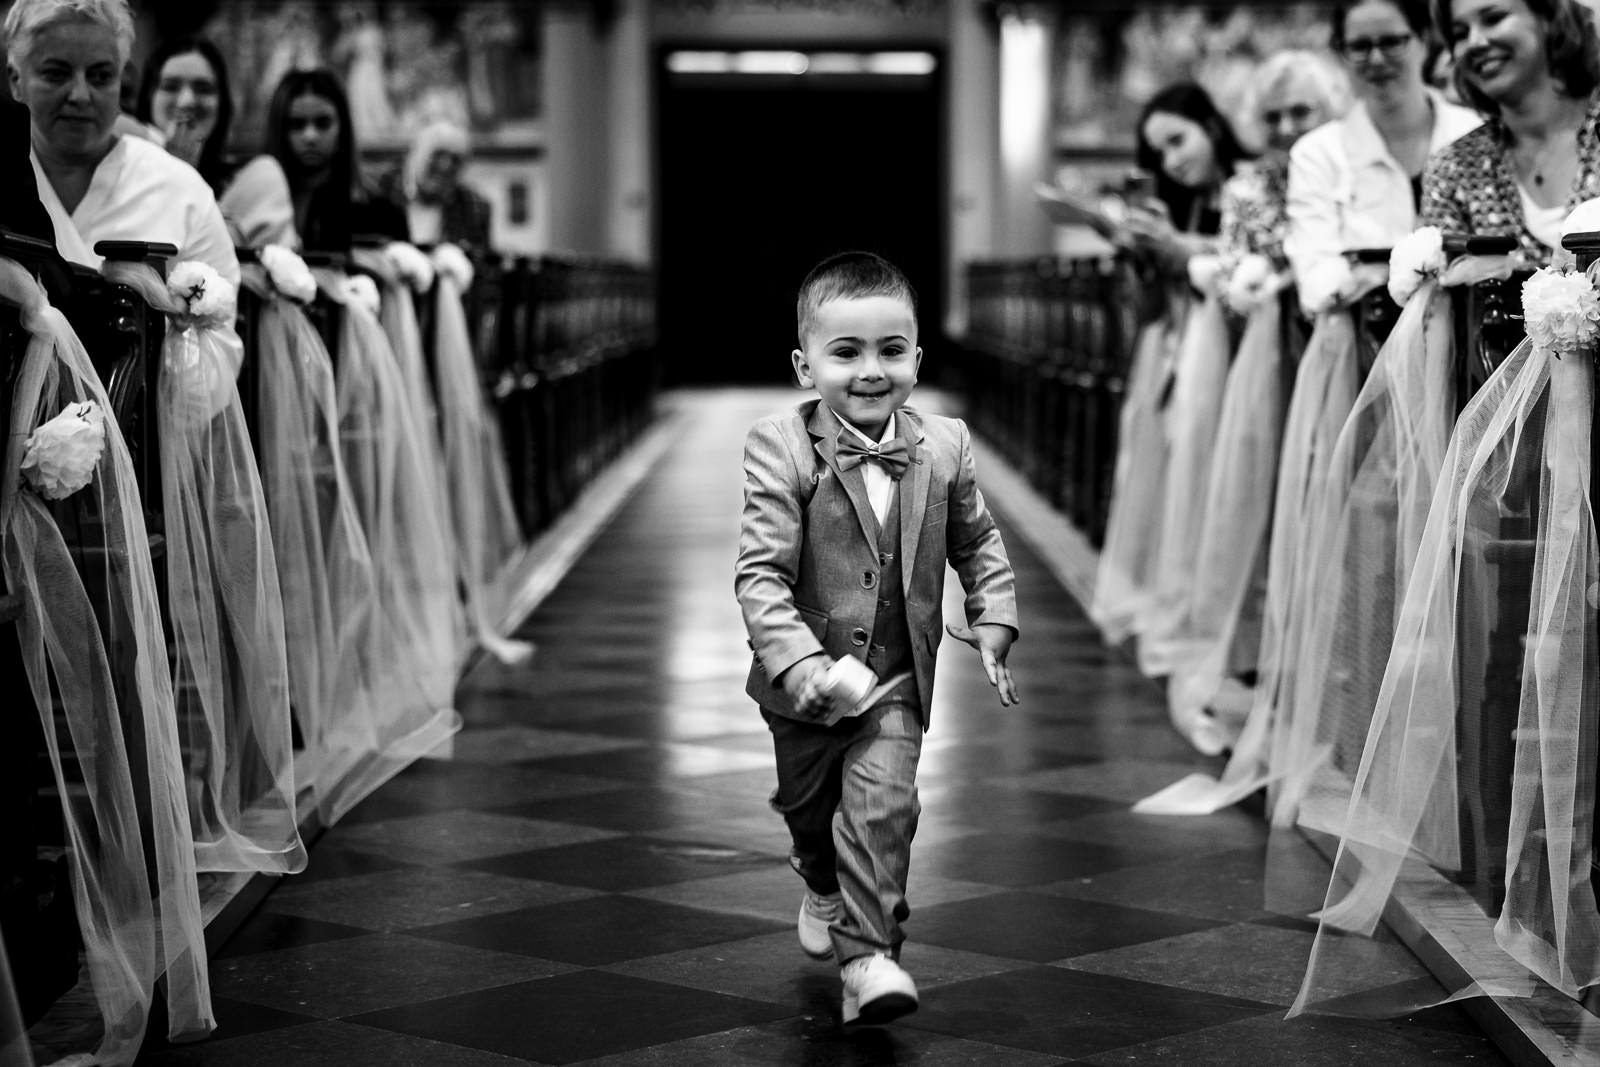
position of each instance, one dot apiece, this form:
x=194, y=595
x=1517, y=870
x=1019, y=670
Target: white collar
x=888, y=429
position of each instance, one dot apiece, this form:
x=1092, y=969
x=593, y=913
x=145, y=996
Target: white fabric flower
x=1206, y=272
x=289, y=273
x=1252, y=283
x=1417, y=257
x=209, y=296
x=448, y=259
x=362, y=291
x=1561, y=311
x=60, y=456
x=412, y=264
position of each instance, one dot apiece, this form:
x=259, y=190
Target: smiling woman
x=1532, y=68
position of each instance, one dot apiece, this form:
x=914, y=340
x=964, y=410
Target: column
x=973, y=89
x=1027, y=126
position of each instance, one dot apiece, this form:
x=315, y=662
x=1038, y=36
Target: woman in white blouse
x=1355, y=183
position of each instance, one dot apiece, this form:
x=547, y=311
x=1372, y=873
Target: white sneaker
x=817, y=913
x=876, y=991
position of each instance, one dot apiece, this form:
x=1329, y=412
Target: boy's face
x=861, y=357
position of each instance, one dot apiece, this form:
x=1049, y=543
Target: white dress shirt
x=879, y=485
x=1347, y=191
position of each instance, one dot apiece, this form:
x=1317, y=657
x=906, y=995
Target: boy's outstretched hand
x=803, y=683
x=993, y=642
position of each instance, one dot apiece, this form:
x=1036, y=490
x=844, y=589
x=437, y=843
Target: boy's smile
x=861, y=356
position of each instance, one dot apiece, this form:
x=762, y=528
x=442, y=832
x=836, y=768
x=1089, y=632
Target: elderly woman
x=65, y=59
x=1531, y=68
x=439, y=208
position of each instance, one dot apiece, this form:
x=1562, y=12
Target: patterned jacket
x=1470, y=186
x=1255, y=209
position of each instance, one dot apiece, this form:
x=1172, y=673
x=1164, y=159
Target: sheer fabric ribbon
x=100, y=658
x=230, y=671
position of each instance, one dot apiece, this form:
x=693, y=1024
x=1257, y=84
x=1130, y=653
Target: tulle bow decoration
x=289, y=273
x=449, y=260
x=411, y=264
x=1416, y=258
x=1252, y=283
x=1207, y=272
x=362, y=291
x=60, y=456
x=1562, y=311
x=209, y=297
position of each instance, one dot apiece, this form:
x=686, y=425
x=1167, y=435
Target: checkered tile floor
x=595, y=876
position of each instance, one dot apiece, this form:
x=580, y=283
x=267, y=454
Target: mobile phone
x=1139, y=188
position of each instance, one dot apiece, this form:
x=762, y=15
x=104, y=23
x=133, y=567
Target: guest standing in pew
x=1196, y=152
x=310, y=133
x=1353, y=184
x=1192, y=149
x=853, y=506
x=64, y=61
x=185, y=95
x=440, y=207
x=1356, y=183
x=1531, y=68
x=1293, y=92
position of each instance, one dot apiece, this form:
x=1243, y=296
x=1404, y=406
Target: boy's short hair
x=850, y=275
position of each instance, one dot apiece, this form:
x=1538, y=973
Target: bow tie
x=894, y=454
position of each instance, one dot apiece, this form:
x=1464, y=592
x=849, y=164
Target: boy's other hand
x=803, y=683
x=993, y=642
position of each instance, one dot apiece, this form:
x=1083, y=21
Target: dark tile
x=329, y=860
x=599, y=930
x=1022, y=859
x=333, y=979
x=999, y=806
x=1031, y=926
x=458, y=834
x=391, y=901
x=439, y=785
x=235, y=1019
x=1079, y=1014
x=267, y=931
x=641, y=808
x=575, y=1017
x=623, y=863
x=817, y=1040
x=327, y=1044
x=1228, y=886
x=1309, y=1041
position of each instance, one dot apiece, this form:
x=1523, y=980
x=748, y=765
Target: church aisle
x=595, y=876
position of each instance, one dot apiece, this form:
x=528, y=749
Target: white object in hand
x=853, y=688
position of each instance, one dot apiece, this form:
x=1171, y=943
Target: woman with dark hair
x=1531, y=68
x=309, y=132
x=1192, y=149
x=185, y=95
x=1356, y=183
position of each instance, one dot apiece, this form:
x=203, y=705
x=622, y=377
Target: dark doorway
x=763, y=176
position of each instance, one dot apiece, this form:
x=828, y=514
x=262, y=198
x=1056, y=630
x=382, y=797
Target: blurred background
x=732, y=143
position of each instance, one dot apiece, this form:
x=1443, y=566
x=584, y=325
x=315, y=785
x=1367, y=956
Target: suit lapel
x=824, y=428
x=913, y=494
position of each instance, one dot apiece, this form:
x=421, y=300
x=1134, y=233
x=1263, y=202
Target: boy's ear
x=802, y=369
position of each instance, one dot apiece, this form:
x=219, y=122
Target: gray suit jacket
x=808, y=562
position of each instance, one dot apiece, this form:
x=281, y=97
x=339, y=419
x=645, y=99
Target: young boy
x=852, y=505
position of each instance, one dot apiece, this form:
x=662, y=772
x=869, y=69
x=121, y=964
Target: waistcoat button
x=858, y=636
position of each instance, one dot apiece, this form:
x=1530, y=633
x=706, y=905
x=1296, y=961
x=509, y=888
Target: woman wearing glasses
x=1531, y=67
x=1356, y=183
x=1353, y=184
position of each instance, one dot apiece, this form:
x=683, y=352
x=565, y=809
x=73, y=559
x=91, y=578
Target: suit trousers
x=848, y=793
